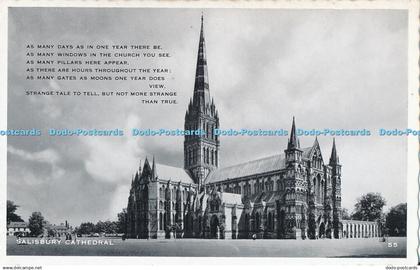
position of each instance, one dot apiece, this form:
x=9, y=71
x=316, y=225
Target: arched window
x=212, y=157
x=246, y=221
x=186, y=157
x=160, y=222
x=191, y=156
x=164, y=221
x=214, y=205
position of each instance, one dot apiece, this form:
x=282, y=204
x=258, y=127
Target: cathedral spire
x=201, y=85
x=201, y=153
x=334, y=157
x=293, y=140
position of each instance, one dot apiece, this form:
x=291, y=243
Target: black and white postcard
x=220, y=130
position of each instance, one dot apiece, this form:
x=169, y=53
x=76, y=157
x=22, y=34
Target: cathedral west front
x=294, y=194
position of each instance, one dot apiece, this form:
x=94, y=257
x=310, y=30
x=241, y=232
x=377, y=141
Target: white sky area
x=329, y=69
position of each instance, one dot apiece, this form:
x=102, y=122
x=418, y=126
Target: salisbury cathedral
x=290, y=195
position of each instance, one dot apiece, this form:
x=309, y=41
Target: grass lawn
x=370, y=247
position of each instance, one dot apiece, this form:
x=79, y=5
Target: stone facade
x=290, y=195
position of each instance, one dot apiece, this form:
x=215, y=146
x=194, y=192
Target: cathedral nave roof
x=165, y=172
x=259, y=166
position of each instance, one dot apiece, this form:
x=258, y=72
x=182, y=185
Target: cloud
x=112, y=159
x=119, y=200
x=47, y=105
x=44, y=165
x=46, y=156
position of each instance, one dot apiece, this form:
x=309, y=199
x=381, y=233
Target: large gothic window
x=318, y=188
x=270, y=221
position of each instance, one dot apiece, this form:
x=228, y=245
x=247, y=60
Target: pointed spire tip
x=293, y=141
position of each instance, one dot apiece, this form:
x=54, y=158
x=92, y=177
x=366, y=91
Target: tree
x=86, y=228
x=369, y=207
x=11, y=215
x=122, y=221
x=109, y=227
x=345, y=214
x=100, y=227
x=36, y=224
x=51, y=232
x=396, y=220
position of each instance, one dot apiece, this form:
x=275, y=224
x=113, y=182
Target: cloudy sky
x=329, y=69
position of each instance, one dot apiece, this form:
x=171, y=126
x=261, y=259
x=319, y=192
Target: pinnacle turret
x=334, y=157
x=293, y=140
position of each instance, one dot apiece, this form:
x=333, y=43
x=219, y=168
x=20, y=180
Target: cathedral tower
x=294, y=183
x=201, y=152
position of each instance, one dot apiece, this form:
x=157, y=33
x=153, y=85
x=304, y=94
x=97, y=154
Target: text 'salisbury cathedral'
x=291, y=195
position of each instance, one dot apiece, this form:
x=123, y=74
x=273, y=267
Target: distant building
x=58, y=230
x=18, y=228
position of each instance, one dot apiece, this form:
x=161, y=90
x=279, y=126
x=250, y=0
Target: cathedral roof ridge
x=253, y=160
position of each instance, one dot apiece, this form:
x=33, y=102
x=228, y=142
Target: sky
x=328, y=68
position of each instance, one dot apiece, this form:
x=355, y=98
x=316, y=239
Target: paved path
x=371, y=247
